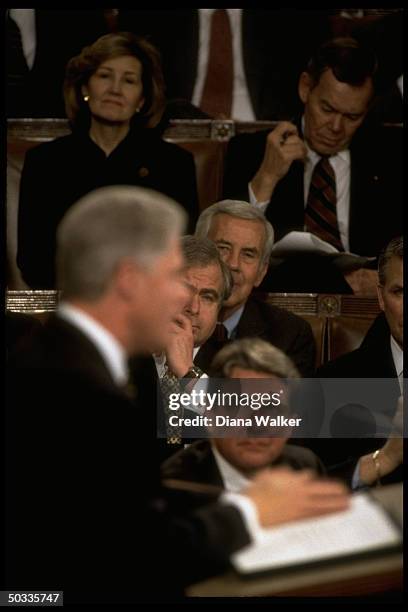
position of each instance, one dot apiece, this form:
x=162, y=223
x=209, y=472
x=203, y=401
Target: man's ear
x=261, y=274
x=304, y=86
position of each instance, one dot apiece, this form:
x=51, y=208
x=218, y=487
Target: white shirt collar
x=400, y=84
x=25, y=19
x=397, y=355
x=111, y=350
x=232, y=322
x=233, y=480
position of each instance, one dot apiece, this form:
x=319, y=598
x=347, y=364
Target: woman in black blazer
x=114, y=99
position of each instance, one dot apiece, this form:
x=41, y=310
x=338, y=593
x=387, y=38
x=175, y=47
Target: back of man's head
x=395, y=248
x=256, y=355
x=350, y=62
x=108, y=225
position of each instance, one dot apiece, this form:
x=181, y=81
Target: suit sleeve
x=303, y=350
x=243, y=158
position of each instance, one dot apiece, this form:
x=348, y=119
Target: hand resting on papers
x=282, y=495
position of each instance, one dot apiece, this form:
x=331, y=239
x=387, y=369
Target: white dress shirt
x=398, y=358
x=110, y=349
x=241, y=103
x=341, y=166
x=25, y=19
x=400, y=84
x=234, y=482
x=231, y=323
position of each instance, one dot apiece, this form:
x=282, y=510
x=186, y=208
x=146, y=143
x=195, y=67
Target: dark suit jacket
x=197, y=463
x=20, y=329
x=56, y=174
x=373, y=359
x=60, y=34
x=375, y=190
x=82, y=488
x=290, y=333
x=272, y=63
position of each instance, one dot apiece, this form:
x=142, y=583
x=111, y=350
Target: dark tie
x=221, y=333
x=321, y=207
x=216, y=99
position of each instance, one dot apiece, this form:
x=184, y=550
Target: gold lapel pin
x=143, y=172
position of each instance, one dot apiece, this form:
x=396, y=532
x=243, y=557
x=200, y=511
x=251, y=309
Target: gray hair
x=202, y=252
x=253, y=354
x=241, y=210
x=108, y=225
x=395, y=248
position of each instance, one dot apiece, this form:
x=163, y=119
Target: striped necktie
x=321, y=207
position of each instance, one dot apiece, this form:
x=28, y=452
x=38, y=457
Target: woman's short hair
x=81, y=67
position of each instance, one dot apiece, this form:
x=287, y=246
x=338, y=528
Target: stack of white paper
x=364, y=527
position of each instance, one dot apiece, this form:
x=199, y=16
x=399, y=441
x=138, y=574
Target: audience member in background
x=324, y=173
x=209, y=283
x=73, y=433
x=237, y=63
x=39, y=42
x=244, y=239
x=380, y=356
x=384, y=33
x=230, y=462
x=114, y=96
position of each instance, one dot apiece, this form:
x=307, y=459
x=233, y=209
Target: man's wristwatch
x=193, y=372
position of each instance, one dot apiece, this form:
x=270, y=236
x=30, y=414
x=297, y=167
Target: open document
x=305, y=242
x=364, y=528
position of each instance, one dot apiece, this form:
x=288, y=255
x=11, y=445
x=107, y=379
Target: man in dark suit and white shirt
x=82, y=495
x=264, y=60
x=244, y=239
x=231, y=462
x=277, y=168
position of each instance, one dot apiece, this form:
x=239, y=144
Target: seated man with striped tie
x=325, y=173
